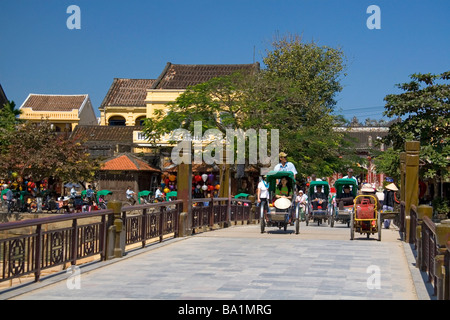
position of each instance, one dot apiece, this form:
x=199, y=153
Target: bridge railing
x=150, y=221
x=431, y=242
x=207, y=212
x=446, y=294
x=33, y=245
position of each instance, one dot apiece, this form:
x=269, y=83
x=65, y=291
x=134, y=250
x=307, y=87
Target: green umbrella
x=103, y=193
x=4, y=192
x=171, y=194
x=143, y=193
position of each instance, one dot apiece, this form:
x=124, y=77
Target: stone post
x=184, y=192
x=411, y=182
x=116, y=233
x=442, y=237
x=402, y=190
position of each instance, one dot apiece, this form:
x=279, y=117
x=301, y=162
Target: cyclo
x=343, y=206
x=365, y=217
x=321, y=212
x=283, y=212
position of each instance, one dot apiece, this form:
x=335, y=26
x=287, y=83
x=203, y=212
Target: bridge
x=215, y=250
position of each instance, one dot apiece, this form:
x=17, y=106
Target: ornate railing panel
x=39, y=250
x=429, y=249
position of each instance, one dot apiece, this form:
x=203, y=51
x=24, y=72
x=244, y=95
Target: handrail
x=39, y=249
x=46, y=220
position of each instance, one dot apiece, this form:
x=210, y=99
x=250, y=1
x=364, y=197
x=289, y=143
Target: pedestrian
x=9, y=199
x=390, y=197
x=285, y=165
x=73, y=192
x=90, y=193
x=130, y=196
x=350, y=175
x=380, y=195
x=301, y=201
x=262, y=193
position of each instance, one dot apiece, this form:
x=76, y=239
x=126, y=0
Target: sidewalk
x=240, y=263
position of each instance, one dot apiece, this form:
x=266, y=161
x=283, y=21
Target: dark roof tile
x=181, y=76
x=47, y=102
x=127, y=92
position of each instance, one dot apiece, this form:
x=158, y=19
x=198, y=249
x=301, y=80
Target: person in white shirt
x=350, y=176
x=301, y=200
x=130, y=193
x=158, y=194
x=285, y=165
x=262, y=193
x=73, y=192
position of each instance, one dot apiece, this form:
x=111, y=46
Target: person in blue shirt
x=285, y=165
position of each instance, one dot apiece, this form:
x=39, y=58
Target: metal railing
x=447, y=272
x=150, y=221
x=51, y=242
x=429, y=250
x=207, y=212
x=31, y=246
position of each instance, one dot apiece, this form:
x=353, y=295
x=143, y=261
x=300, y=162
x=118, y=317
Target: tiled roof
x=46, y=102
x=95, y=133
x=127, y=92
x=127, y=162
x=180, y=76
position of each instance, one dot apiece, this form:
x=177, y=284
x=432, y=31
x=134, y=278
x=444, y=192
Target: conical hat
x=392, y=187
x=282, y=203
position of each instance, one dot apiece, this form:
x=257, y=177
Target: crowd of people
x=386, y=197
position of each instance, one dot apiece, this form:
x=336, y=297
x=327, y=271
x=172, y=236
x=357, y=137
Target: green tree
x=295, y=93
x=424, y=107
x=303, y=109
x=9, y=118
x=37, y=152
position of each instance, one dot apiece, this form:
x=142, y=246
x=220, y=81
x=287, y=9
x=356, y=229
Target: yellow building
x=124, y=104
x=176, y=78
x=64, y=112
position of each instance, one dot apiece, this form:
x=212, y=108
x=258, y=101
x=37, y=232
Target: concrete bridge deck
x=240, y=263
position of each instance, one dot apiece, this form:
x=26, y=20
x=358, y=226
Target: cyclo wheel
x=352, y=227
x=262, y=219
x=379, y=227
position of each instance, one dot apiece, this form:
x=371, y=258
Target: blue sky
x=135, y=39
